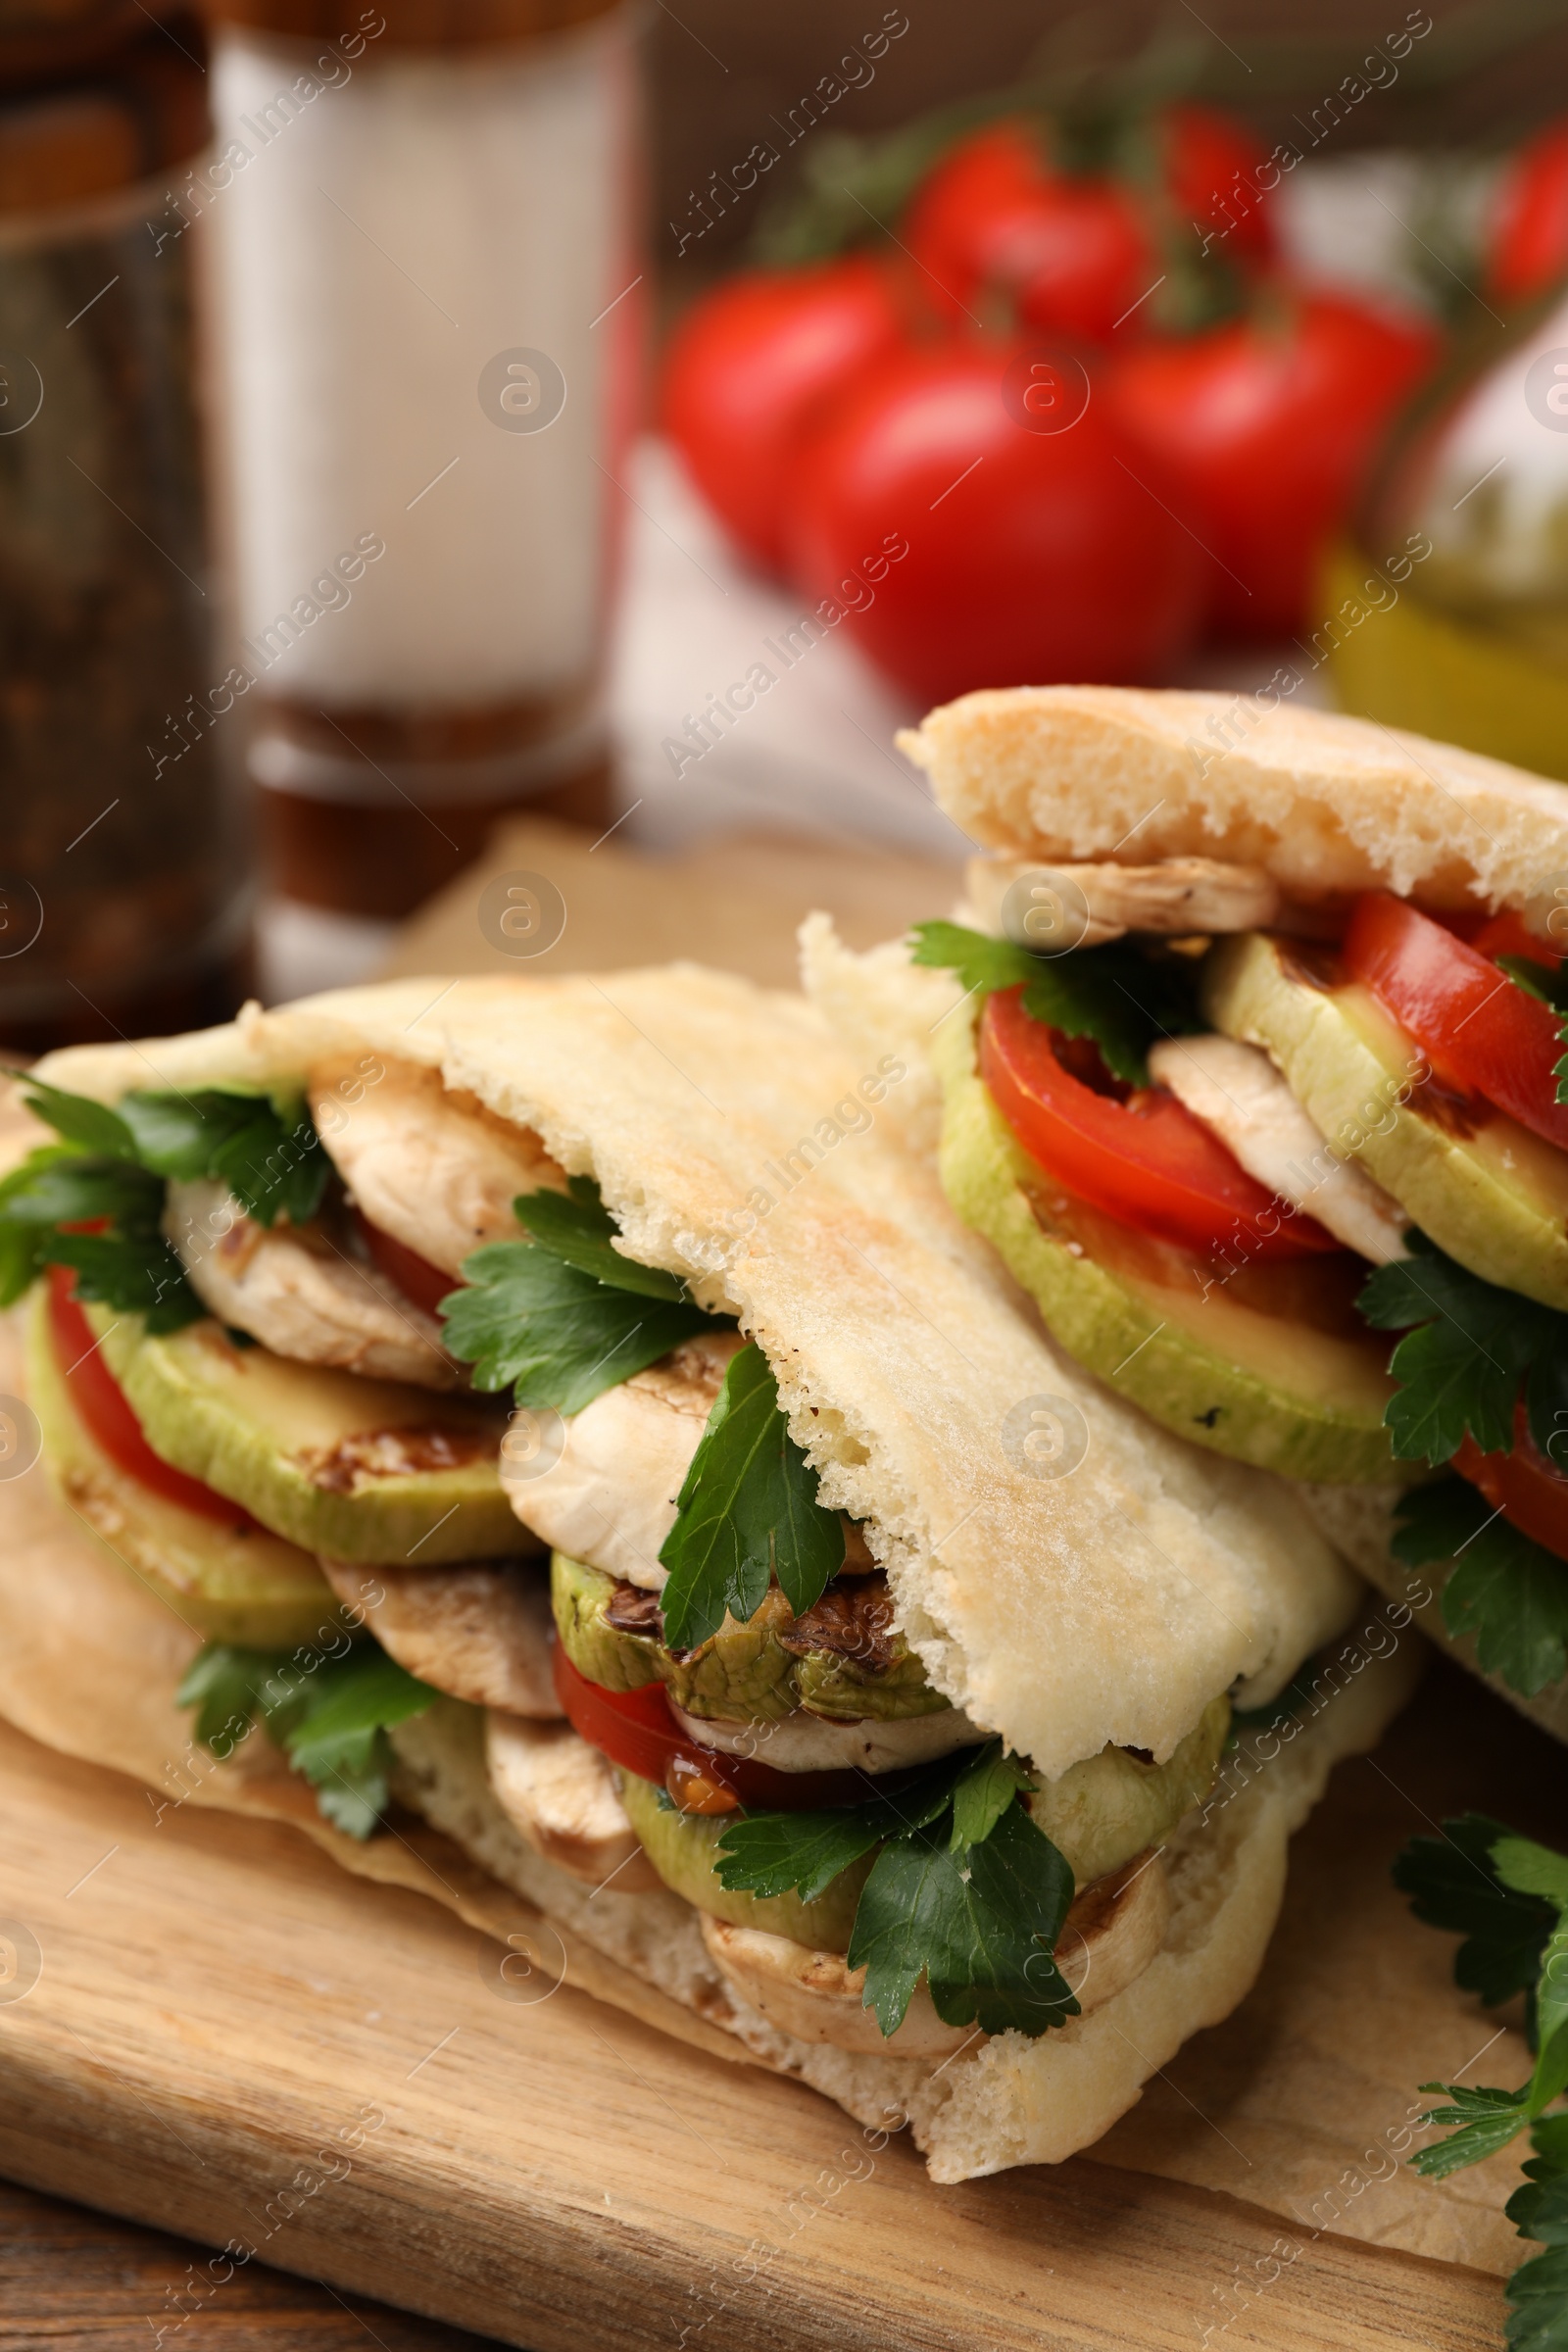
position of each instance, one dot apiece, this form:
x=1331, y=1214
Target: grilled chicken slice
x=1111, y=1933
x=560, y=1794
x=299, y=1291
x=479, y=1629
x=434, y=1169
x=1237, y=1092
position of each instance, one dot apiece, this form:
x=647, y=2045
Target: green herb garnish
x=331, y=1717
x=747, y=1513
x=1114, y=993
x=1509, y=1591
x=1462, y=1366
x=964, y=1891
x=561, y=1317
x=1509, y=1897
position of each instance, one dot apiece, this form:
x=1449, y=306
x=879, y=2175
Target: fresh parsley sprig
x=1549, y=983
x=1509, y=1897
x=964, y=1891
x=110, y=1170
x=331, y=1717
x=562, y=1316
x=1113, y=993
x=1471, y=1346
x=747, y=1513
x=129, y=1265
x=1509, y=1591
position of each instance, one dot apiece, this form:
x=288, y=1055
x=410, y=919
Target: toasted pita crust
x=1324, y=803
x=1107, y=1604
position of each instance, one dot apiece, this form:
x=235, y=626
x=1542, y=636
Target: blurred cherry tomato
x=1212, y=168
x=1072, y=252
x=1528, y=242
x=746, y=367
x=1268, y=424
x=963, y=549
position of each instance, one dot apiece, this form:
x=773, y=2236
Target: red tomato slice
x=636, y=1730
x=422, y=1284
x=106, y=1413
x=1530, y=1491
x=1145, y=1159
x=1481, y=1032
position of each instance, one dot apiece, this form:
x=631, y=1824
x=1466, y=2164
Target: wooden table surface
x=76, y=2281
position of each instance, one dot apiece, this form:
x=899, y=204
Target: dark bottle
x=122, y=905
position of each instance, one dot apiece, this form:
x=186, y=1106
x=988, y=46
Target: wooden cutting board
x=205, y=2025
x=233, y=2040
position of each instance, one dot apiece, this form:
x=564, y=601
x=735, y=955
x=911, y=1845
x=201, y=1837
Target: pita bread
x=738, y=1145
x=1322, y=802
x=90, y=1659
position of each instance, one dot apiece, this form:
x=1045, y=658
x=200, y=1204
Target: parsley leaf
x=1461, y=1369
x=965, y=1892
x=577, y=1226
x=109, y=1171
x=1510, y=1593
x=270, y=1158
x=558, y=1335
x=91, y=1126
x=1507, y=1894
x=1479, y=2122
x=1548, y=982
x=780, y=1854
x=747, y=1512
x=130, y=1266
x=562, y=1317
x=1113, y=993
x=979, y=1924
x=982, y=962
x=1455, y=1883
x=990, y=1781
x=1539, y=2290
x=331, y=1717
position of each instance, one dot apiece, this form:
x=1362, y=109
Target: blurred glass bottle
x=1472, y=495
x=428, y=313
x=120, y=900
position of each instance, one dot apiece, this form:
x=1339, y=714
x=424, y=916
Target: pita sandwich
x=1245, y=1053
x=566, y=1413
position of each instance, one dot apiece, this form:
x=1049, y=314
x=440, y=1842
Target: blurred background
x=419, y=411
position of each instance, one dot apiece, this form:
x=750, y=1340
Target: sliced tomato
x=422, y=1284
x=636, y=1730
x=106, y=1413
x=1135, y=1152
x=1481, y=1031
x=1530, y=1491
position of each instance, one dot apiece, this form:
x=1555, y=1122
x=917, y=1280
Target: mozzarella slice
x=435, y=1170
x=299, y=1295
x=609, y=1497
x=1239, y=1095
